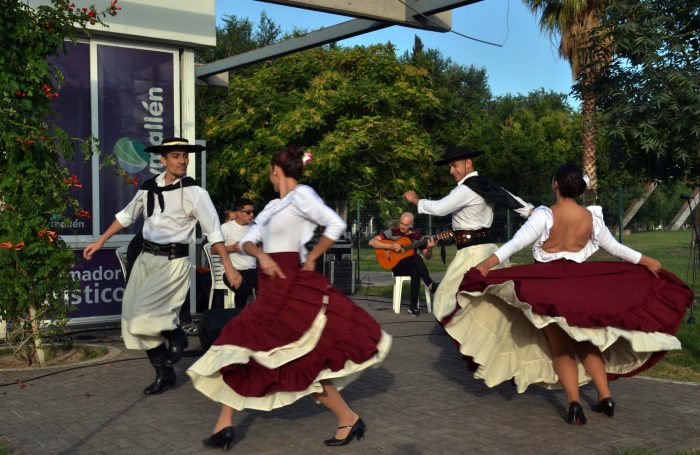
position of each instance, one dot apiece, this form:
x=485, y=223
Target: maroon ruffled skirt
x=622, y=308
x=299, y=331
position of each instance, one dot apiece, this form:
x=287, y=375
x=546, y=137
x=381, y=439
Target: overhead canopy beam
x=318, y=38
x=329, y=34
x=378, y=10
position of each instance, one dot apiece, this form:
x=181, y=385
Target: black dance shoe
x=165, y=378
x=178, y=342
x=606, y=406
x=357, y=430
x=576, y=415
x=222, y=439
x=413, y=312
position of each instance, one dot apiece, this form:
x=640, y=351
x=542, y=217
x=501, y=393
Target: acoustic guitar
x=389, y=258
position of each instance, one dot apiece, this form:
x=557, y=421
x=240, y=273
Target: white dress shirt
x=184, y=207
x=469, y=210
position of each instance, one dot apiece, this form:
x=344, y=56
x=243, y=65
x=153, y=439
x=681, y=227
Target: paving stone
x=422, y=400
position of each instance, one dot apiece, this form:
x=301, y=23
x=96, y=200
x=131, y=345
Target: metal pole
x=619, y=214
x=508, y=230
x=358, y=229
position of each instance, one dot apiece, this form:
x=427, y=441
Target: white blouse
x=286, y=225
x=537, y=228
x=176, y=224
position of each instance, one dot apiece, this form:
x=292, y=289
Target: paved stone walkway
x=422, y=400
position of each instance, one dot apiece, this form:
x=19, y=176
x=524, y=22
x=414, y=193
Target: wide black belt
x=171, y=250
x=464, y=239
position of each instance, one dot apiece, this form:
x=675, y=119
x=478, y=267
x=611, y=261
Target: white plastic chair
x=121, y=255
x=398, y=286
x=217, y=278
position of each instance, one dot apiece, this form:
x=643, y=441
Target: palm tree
x=574, y=22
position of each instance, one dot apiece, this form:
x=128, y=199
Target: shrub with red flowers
x=34, y=186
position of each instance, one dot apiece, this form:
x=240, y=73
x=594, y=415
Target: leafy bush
x=34, y=185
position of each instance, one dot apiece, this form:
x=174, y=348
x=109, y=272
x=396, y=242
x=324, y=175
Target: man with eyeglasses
x=233, y=231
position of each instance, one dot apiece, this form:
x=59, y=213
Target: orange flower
x=73, y=181
x=9, y=245
x=50, y=235
x=82, y=213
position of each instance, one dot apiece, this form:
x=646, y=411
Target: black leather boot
x=177, y=341
x=165, y=375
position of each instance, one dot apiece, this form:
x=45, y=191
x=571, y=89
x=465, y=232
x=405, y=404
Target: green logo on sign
x=130, y=155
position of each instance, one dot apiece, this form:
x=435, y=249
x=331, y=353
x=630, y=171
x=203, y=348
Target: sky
x=526, y=61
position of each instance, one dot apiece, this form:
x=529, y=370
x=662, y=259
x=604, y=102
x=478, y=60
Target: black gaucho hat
x=457, y=153
x=172, y=144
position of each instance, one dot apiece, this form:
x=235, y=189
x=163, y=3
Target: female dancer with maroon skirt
x=302, y=336
x=563, y=320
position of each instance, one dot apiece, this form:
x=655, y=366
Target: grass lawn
x=673, y=249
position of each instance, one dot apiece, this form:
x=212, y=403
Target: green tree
x=537, y=131
x=358, y=110
x=574, y=23
x=650, y=93
x=34, y=187
x=237, y=35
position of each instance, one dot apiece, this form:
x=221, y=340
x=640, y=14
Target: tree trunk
x=588, y=146
x=636, y=204
x=684, y=212
x=36, y=334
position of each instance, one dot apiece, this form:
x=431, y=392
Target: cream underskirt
x=504, y=337
x=206, y=376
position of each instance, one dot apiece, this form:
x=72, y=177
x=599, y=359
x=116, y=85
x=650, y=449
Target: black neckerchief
x=486, y=188
x=153, y=189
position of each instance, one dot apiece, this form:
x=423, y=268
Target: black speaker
x=342, y=275
x=212, y=322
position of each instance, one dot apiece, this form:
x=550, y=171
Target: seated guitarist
x=411, y=265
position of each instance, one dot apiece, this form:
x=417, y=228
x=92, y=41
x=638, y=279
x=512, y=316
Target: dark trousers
x=414, y=267
x=250, y=282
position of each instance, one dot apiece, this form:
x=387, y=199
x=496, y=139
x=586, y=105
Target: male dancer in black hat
x=159, y=280
x=471, y=204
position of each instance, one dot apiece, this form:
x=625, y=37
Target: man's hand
x=91, y=249
x=411, y=197
x=395, y=247
x=235, y=279
x=236, y=248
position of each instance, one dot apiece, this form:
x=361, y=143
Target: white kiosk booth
x=129, y=85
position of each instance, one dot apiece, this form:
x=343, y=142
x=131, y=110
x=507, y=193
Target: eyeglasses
x=247, y=212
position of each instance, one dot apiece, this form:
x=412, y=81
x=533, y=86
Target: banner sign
x=136, y=98
x=102, y=285
x=73, y=116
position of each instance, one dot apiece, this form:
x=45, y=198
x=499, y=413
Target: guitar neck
x=419, y=243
